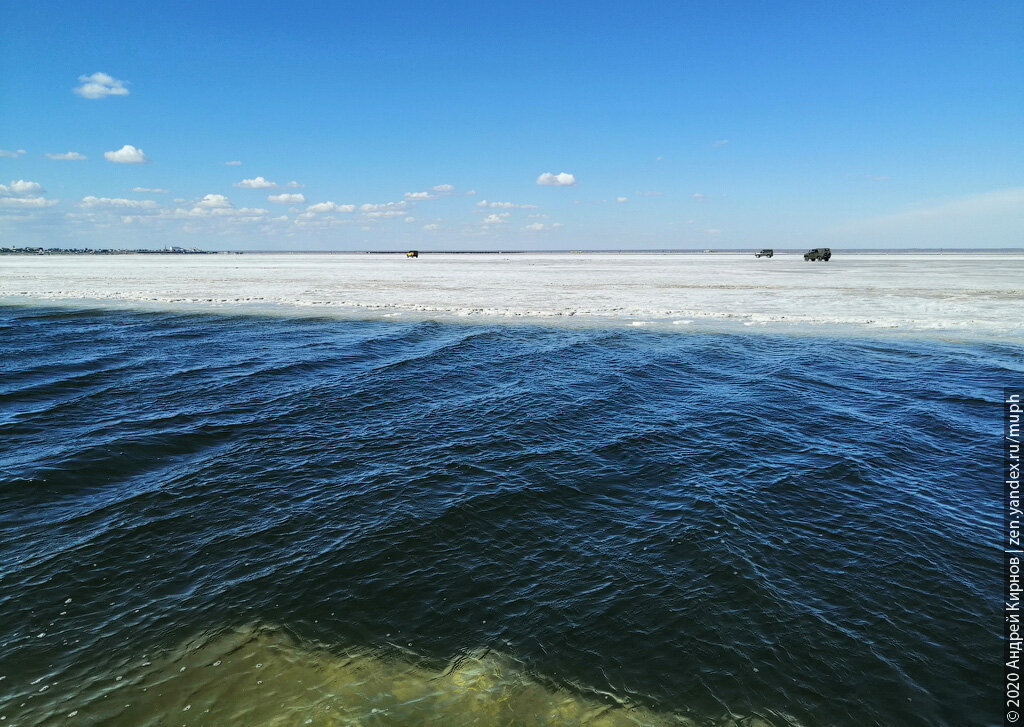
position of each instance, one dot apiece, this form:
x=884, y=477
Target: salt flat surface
x=968, y=295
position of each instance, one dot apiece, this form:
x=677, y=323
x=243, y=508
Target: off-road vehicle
x=818, y=253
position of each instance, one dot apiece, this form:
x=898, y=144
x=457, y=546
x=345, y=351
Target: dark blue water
x=715, y=528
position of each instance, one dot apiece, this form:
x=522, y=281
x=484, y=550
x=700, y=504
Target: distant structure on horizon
x=169, y=250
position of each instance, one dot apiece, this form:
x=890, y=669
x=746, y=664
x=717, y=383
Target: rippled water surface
x=249, y=520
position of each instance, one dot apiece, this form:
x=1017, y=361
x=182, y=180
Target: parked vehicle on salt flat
x=767, y=252
x=818, y=253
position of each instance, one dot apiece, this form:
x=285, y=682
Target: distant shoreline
x=730, y=251
x=102, y=251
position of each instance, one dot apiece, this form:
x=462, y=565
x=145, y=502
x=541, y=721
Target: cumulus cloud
x=24, y=195
x=562, y=179
x=443, y=188
x=21, y=188
x=217, y=206
x=26, y=202
x=234, y=163
x=497, y=218
x=622, y=199
x=541, y=227
x=214, y=201
x=139, y=204
x=383, y=207
x=127, y=154
x=413, y=196
x=100, y=85
x=219, y=212
x=256, y=183
x=150, y=190
x=321, y=207
x=505, y=205
x=69, y=156
x=287, y=198
x=15, y=154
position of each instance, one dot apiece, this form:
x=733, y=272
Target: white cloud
x=127, y=154
x=70, y=156
x=26, y=202
x=410, y=220
x=17, y=153
x=383, y=207
x=384, y=214
x=413, y=196
x=443, y=188
x=150, y=190
x=699, y=196
x=294, y=185
x=432, y=226
x=24, y=195
x=21, y=188
x=256, y=183
x=622, y=199
x=214, y=201
x=287, y=198
x=219, y=206
x=562, y=179
x=505, y=205
x=720, y=142
x=139, y=204
x=100, y=85
x=497, y=218
x=235, y=163
x=221, y=212
x=330, y=207
x=541, y=227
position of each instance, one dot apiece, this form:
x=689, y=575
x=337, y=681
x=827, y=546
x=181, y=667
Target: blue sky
x=430, y=125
